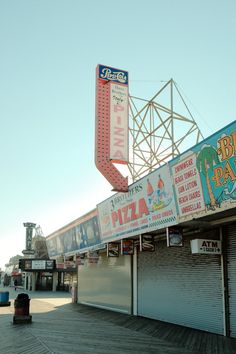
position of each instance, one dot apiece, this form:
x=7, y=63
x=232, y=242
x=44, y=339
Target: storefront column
x=135, y=282
x=225, y=294
x=33, y=281
x=27, y=281
x=54, y=281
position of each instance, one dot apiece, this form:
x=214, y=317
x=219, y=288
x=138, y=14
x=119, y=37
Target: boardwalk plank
x=60, y=327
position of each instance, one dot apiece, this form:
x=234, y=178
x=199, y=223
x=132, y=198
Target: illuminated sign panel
x=118, y=123
x=31, y=265
x=29, y=232
x=112, y=74
x=111, y=139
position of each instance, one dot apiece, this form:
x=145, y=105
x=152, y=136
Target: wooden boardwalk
x=183, y=337
x=61, y=327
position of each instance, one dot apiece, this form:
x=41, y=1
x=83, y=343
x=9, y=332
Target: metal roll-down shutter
x=179, y=287
x=231, y=257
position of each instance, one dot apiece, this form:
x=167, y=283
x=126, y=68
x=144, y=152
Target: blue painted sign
x=75, y=239
x=111, y=74
x=204, y=177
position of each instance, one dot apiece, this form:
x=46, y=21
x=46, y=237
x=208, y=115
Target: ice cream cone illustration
x=150, y=194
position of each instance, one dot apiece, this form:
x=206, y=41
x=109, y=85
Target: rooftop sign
x=111, y=143
x=112, y=74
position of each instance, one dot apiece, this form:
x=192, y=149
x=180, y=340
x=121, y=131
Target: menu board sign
x=188, y=189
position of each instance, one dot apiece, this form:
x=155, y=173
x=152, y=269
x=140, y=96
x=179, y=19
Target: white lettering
x=113, y=75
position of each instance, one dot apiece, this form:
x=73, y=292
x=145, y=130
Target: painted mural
x=204, y=177
x=77, y=238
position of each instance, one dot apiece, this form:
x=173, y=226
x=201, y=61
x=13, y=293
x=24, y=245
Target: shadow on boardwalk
x=58, y=326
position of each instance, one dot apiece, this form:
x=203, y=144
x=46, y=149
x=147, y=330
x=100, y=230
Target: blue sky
x=49, y=52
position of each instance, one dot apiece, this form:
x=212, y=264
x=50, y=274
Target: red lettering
x=142, y=206
x=128, y=213
x=132, y=207
x=119, y=142
x=120, y=217
x=118, y=155
x=119, y=131
x=125, y=214
x=114, y=218
x=118, y=108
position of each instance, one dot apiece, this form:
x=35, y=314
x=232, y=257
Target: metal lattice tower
x=38, y=231
x=39, y=244
x=157, y=132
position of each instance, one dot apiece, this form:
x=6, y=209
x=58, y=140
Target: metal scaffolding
x=157, y=132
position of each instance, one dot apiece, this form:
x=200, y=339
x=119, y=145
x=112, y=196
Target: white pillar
x=135, y=282
x=33, y=278
x=54, y=281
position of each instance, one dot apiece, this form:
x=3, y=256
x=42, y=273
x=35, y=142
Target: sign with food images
x=127, y=247
x=174, y=237
x=113, y=249
x=147, y=243
x=147, y=206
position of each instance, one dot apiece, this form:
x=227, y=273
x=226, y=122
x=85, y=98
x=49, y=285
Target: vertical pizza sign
x=118, y=123
x=111, y=145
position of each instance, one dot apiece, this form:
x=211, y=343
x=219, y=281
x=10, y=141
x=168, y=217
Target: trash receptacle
x=4, y=298
x=21, y=305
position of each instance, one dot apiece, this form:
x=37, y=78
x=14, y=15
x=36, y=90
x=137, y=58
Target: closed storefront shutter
x=106, y=283
x=179, y=287
x=231, y=254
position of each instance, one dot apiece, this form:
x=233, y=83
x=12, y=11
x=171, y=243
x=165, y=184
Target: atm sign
x=206, y=246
